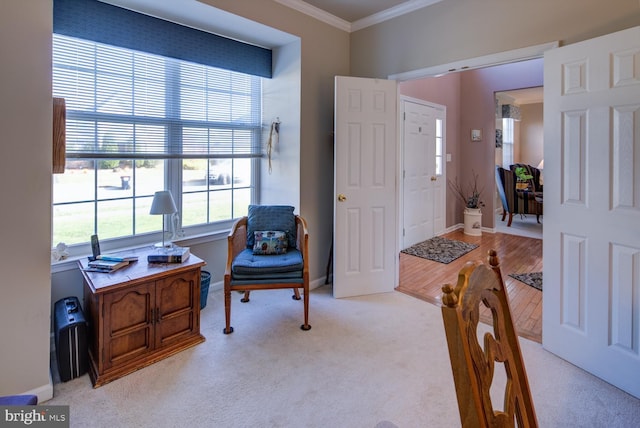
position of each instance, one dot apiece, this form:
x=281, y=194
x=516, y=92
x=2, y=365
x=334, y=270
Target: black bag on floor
x=70, y=338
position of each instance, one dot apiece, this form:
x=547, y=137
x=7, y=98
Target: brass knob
x=433, y=178
x=342, y=197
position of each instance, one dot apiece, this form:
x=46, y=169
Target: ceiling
x=526, y=96
x=348, y=15
x=352, y=15
x=354, y=10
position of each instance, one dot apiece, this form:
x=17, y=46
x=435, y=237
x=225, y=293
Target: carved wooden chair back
x=473, y=364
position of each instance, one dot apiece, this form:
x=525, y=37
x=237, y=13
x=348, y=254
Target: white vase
x=473, y=221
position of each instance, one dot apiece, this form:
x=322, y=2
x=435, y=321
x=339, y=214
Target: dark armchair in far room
x=533, y=171
x=516, y=201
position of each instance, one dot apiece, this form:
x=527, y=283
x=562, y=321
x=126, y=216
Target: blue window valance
x=113, y=25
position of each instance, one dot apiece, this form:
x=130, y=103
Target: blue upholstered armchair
x=267, y=249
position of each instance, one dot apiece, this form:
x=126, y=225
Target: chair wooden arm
x=236, y=242
x=303, y=243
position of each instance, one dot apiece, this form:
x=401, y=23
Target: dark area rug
x=533, y=279
x=439, y=249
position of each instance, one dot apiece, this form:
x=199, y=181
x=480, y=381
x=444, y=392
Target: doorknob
x=433, y=178
x=341, y=197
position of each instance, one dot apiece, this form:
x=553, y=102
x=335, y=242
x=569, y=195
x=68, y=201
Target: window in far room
x=439, y=146
x=507, y=142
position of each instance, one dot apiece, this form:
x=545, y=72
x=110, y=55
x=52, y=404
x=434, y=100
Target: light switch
x=448, y=157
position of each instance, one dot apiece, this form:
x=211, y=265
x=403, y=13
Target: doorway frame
x=506, y=57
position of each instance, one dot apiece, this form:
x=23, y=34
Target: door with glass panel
x=422, y=170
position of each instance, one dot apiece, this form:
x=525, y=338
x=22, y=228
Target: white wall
x=25, y=174
x=281, y=100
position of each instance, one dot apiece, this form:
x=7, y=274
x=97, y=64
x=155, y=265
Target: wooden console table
x=140, y=314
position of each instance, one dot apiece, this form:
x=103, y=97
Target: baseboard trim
x=454, y=228
x=44, y=392
x=461, y=226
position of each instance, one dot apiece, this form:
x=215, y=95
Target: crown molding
x=317, y=13
x=392, y=12
x=368, y=21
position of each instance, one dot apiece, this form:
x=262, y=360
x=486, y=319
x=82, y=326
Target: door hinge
x=404, y=116
x=403, y=231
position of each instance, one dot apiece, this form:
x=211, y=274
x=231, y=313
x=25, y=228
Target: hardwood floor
x=423, y=279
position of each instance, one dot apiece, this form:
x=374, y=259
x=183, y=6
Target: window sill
x=71, y=263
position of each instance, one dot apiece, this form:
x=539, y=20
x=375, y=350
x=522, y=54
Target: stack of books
x=107, y=264
x=169, y=255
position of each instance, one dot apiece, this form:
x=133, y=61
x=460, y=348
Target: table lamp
x=163, y=204
x=541, y=168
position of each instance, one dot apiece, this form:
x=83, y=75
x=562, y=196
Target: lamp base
x=163, y=244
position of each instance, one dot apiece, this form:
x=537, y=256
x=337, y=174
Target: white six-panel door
x=591, y=297
x=365, y=204
x=422, y=190
x=418, y=153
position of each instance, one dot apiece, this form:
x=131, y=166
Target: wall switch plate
x=448, y=157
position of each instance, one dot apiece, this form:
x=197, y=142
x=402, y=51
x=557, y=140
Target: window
x=507, y=142
x=439, y=145
x=138, y=123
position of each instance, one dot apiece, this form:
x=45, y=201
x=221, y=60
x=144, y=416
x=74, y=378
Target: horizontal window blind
x=126, y=104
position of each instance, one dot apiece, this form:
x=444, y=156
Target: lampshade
x=163, y=203
x=511, y=111
x=541, y=164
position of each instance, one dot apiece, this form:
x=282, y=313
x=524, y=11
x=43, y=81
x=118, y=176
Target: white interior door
x=365, y=204
x=421, y=175
x=591, y=298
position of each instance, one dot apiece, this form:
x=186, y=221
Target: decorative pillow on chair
x=270, y=242
x=271, y=217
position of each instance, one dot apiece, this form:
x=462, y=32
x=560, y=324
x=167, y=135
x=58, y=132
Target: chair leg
x=227, y=312
x=538, y=218
x=306, y=325
x=245, y=299
x=510, y=218
x=296, y=294
x=504, y=214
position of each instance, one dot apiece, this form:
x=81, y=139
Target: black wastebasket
x=124, y=182
x=205, y=280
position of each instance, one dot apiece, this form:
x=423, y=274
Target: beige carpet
x=375, y=361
